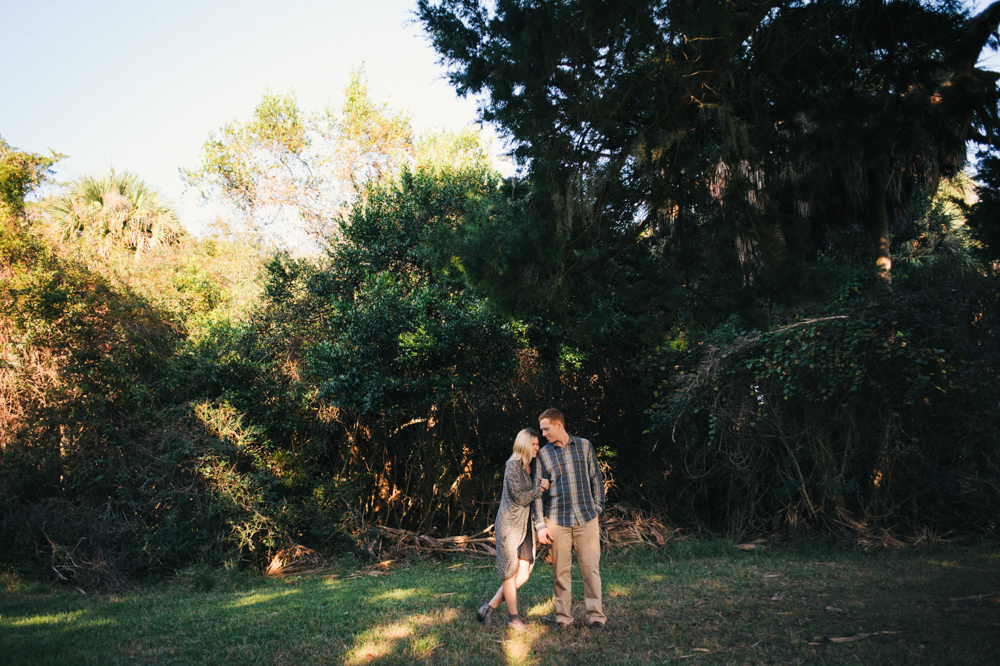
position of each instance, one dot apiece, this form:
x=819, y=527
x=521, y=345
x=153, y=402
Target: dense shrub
x=119, y=455
x=879, y=409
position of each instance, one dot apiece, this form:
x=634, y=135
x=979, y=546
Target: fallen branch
x=621, y=525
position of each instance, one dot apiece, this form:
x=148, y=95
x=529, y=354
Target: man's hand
x=544, y=537
x=544, y=483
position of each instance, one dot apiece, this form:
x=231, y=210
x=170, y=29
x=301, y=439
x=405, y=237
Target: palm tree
x=119, y=210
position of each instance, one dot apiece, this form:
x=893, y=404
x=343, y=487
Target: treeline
x=759, y=336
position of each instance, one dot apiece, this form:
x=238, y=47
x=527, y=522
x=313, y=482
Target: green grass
x=691, y=602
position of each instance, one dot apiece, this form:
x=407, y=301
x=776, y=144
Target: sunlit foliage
x=115, y=210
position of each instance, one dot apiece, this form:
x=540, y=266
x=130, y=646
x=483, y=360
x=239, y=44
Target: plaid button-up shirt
x=576, y=493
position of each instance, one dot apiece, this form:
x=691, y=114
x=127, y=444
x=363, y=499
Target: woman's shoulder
x=516, y=469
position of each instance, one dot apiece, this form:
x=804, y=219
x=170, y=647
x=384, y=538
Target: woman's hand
x=544, y=483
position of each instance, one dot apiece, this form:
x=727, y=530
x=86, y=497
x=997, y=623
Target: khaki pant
x=586, y=539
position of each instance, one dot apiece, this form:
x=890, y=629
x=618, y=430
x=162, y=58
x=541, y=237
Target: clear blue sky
x=139, y=84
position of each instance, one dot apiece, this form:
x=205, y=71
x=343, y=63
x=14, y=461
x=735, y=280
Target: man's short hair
x=552, y=415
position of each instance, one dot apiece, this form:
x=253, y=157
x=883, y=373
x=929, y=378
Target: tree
x=301, y=170
x=863, y=119
x=983, y=216
x=118, y=210
x=744, y=136
x=390, y=346
x=20, y=173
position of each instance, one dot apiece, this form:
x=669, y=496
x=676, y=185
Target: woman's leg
x=523, y=571
x=509, y=590
x=497, y=598
x=520, y=577
x=509, y=587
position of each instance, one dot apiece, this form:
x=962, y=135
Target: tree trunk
x=878, y=224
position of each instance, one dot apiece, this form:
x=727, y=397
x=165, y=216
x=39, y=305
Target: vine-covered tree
x=745, y=165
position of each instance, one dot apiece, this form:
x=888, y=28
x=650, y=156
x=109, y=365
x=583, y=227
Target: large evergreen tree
x=743, y=136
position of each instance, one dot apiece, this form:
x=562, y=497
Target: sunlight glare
x=382, y=640
x=544, y=608
x=518, y=646
x=75, y=618
x=395, y=595
x=259, y=598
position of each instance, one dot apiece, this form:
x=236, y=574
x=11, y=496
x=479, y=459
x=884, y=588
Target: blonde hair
x=522, y=446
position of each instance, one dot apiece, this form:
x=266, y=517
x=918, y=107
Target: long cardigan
x=512, y=524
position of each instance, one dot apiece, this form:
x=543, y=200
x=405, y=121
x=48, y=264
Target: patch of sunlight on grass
x=394, y=595
x=424, y=645
x=617, y=590
x=517, y=646
x=544, y=608
x=397, y=631
x=655, y=578
x=383, y=640
x=259, y=598
x=74, y=618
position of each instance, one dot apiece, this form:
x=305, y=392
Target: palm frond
x=117, y=209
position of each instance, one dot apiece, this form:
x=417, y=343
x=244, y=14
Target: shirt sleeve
x=596, y=478
x=537, y=510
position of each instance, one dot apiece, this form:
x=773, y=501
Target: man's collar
x=569, y=441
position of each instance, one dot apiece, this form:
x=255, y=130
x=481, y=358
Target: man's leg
x=562, y=563
x=587, y=539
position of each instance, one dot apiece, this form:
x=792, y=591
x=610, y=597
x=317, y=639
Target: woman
x=515, y=533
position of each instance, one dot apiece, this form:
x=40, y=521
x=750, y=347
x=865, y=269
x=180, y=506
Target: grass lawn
x=690, y=602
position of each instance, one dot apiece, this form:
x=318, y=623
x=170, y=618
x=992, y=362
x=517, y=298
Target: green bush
x=877, y=411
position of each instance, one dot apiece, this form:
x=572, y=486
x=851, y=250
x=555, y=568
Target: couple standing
x=554, y=493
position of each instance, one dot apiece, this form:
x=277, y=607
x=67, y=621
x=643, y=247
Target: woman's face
x=534, y=447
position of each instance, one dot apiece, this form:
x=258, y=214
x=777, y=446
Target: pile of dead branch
x=90, y=572
x=622, y=526
x=394, y=543
x=870, y=537
x=295, y=560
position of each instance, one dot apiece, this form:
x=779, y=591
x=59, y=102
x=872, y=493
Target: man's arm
x=596, y=478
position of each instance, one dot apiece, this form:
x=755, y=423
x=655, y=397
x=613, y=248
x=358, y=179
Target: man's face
x=551, y=430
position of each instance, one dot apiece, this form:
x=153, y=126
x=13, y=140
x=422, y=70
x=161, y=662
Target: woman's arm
x=520, y=489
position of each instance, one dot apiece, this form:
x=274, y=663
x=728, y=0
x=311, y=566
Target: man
x=566, y=515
